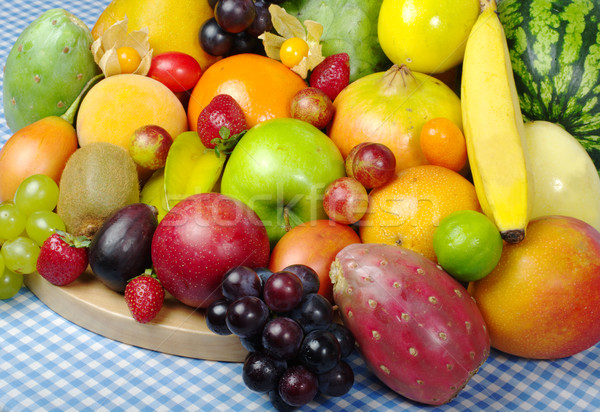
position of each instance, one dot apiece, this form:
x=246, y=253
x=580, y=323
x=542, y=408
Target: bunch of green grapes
x=25, y=223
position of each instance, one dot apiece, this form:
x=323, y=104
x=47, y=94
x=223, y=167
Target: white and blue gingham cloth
x=50, y=364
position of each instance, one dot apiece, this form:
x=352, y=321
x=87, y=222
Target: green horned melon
x=349, y=26
x=47, y=67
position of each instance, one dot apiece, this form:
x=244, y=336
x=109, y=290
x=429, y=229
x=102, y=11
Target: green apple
x=280, y=169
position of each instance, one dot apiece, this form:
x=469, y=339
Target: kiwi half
x=98, y=179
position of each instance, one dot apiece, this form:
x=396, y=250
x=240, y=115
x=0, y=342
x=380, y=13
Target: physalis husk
x=288, y=26
x=105, y=47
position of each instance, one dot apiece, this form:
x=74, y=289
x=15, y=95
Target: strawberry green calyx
x=79, y=242
x=226, y=142
x=150, y=272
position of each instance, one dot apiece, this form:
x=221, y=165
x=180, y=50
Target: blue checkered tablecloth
x=50, y=364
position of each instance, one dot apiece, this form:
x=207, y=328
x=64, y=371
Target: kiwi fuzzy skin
x=98, y=179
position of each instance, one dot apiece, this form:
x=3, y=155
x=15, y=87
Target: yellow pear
x=173, y=25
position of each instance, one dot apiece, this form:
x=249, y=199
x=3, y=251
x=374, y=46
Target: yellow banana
x=493, y=127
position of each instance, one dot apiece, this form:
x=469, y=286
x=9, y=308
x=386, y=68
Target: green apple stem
x=286, y=219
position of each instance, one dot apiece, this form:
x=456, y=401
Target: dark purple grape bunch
x=296, y=350
x=235, y=27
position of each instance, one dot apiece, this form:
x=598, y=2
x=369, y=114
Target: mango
x=542, y=301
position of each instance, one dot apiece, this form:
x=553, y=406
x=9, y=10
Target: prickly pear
x=416, y=327
x=47, y=67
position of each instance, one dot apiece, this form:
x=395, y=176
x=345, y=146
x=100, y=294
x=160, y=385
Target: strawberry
x=221, y=123
x=332, y=74
x=144, y=296
x=63, y=258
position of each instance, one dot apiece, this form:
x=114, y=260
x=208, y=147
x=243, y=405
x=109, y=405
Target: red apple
x=314, y=244
x=345, y=200
x=149, y=146
x=201, y=238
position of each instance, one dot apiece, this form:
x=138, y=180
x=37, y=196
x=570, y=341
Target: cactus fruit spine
x=47, y=68
x=416, y=327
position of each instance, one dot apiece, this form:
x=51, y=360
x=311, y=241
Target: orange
x=263, y=87
x=407, y=210
x=443, y=143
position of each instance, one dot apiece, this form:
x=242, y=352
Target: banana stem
x=484, y=4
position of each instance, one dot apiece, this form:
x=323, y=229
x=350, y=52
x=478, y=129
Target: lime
x=467, y=245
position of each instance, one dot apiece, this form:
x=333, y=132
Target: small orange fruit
x=443, y=143
x=129, y=59
x=407, y=210
x=293, y=50
x=263, y=87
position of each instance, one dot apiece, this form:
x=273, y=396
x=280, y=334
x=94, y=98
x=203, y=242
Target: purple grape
x=262, y=22
x=337, y=381
x=263, y=274
x=309, y=278
x=281, y=338
x=244, y=43
x=214, y=40
x=283, y=291
x=278, y=403
x=298, y=386
x=240, y=281
x=247, y=316
x=320, y=351
x=252, y=343
x=235, y=16
x=344, y=337
x=313, y=312
x=216, y=315
x=261, y=372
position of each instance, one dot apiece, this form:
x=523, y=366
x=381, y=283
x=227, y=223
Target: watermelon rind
x=554, y=47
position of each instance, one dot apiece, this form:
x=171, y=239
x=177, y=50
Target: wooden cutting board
x=178, y=329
